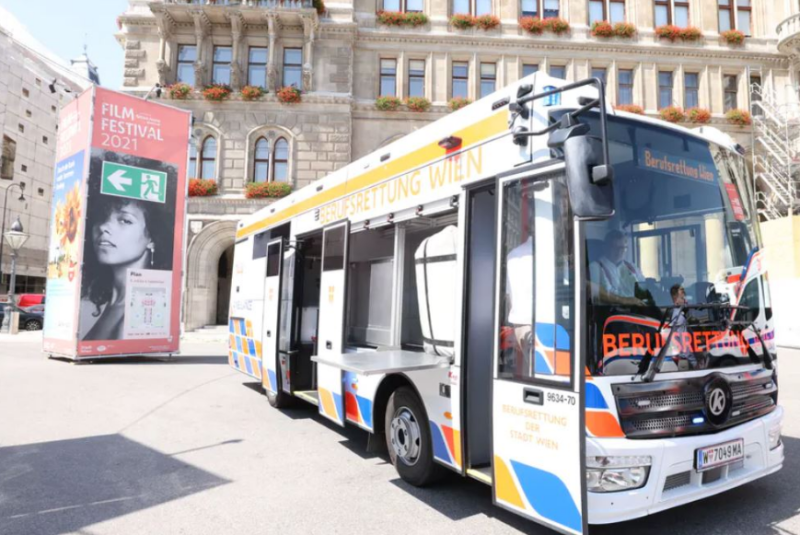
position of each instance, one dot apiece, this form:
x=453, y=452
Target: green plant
x=289, y=95
x=691, y=33
x=462, y=21
x=179, y=91
x=456, y=103
x=698, y=115
x=217, y=92
x=532, y=25
x=739, y=117
x=416, y=19
x=487, y=22
x=419, y=104
x=557, y=25
x=387, y=103
x=202, y=187
x=732, y=37
x=252, y=92
x=668, y=31
x=391, y=18
x=602, y=28
x=630, y=108
x=624, y=29
x=672, y=114
x=267, y=190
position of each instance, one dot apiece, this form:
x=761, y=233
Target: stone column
x=273, y=26
x=201, y=29
x=237, y=28
x=165, y=24
x=310, y=22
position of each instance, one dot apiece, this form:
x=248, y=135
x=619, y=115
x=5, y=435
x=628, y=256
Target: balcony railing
x=787, y=30
x=285, y=4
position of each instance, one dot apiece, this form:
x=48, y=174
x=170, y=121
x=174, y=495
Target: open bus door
x=538, y=436
x=272, y=302
x=332, y=301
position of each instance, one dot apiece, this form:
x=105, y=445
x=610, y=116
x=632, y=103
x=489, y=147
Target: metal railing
x=283, y=4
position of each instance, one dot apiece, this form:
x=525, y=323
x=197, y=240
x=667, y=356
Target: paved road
x=191, y=446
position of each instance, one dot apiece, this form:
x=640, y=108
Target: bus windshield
x=683, y=230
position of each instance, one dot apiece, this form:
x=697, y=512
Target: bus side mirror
x=590, y=183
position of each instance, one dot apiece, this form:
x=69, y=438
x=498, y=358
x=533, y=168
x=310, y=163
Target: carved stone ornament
x=163, y=70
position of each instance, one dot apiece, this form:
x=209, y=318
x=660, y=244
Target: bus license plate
x=719, y=455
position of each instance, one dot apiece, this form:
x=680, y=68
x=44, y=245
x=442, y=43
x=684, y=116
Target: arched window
x=280, y=161
x=192, y=160
x=261, y=161
x=208, y=158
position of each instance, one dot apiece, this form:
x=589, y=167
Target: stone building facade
x=343, y=58
x=28, y=118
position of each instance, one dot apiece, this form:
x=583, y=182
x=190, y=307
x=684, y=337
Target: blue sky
x=64, y=26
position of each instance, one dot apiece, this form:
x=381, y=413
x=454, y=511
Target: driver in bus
x=613, y=278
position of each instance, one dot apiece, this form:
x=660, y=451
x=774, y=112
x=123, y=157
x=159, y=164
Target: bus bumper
x=673, y=481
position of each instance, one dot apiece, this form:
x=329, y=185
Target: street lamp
x=21, y=186
x=16, y=238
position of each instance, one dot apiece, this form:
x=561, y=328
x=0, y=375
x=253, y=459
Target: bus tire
x=408, y=439
x=280, y=399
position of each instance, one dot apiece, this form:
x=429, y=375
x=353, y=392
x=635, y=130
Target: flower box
x=698, y=115
x=202, y=187
x=602, y=29
x=462, y=21
x=217, y=92
x=557, y=25
x=732, y=37
x=672, y=114
x=418, y=104
x=252, y=92
x=457, y=103
x=668, y=31
x=387, y=103
x=397, y=18
x=267, y=190
x=179, y=91
x=289, y=95
x=691, y=33
x=630, y=108
x=487, y=22
x=624, y=29
x=532, y=25
x=739, y=117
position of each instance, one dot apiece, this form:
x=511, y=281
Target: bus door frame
x=331, y=338
x=514, y=485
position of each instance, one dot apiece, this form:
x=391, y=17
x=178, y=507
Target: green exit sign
x=133, y=182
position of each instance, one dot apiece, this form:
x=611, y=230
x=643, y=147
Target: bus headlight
x=614, y=474
x=774, y=436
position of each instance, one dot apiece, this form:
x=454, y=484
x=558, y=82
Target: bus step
x=308, y=395
x=482, y=474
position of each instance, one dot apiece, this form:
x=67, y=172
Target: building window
x=664, y=89
x=53, y=109
x=187, y=55
x=755, y=94
x=28, y=113
x=672, y=12
x=7, y=157
x=599, y=72
x=735, y=15
x=293, y=67
x=460, y=83
x=612, y=11
x=558, y=71
x=221, y=68
x=409, y=6
x=388, y=78
x=208, y=158
x=416, y=78
x=21, y=128
x=691, y=90
x=261, y=161
x=625, y=86
x=731, y=87
x=192, y=160
x=473, y=7
x=488, y=78
x=24, y=168
x=280, y=161
x=45, y=140
x=529, y=68
x=535, y=8
x=257, y=66
x=26, y=93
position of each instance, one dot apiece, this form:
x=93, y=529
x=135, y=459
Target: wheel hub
x=405, y=436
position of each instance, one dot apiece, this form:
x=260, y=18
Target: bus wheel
x=281, y=399
x=408, y=439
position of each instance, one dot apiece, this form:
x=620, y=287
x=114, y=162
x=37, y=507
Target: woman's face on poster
x=122, y=238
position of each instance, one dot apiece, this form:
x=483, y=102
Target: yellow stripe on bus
x=470, y=136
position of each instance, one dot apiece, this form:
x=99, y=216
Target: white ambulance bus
x=564, y=302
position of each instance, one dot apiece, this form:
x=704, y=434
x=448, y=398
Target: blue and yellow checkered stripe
x=244, y=351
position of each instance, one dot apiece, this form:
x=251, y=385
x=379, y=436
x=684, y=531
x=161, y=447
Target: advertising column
x=66, y=222
x=134, y=217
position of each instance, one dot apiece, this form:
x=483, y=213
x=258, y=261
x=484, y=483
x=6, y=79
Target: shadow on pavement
x=63, y=486
x=126, y=361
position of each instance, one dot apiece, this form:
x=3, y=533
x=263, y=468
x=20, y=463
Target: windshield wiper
x=766, y=357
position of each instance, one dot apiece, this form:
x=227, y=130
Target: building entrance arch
x=207, y=252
